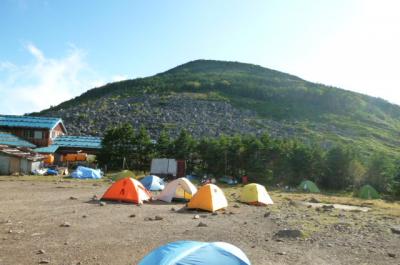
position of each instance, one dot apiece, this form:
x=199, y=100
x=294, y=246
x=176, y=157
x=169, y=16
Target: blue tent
x=86, y=173
x=196, y=253
x=152, y=183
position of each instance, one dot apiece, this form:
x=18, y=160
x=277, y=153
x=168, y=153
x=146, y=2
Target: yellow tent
x=255, y=194
x=209, y=198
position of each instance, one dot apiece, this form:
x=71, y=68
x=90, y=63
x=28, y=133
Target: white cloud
x=117, y=78
x=364, y=56
x=7, y=66
x=35, y=52
x=45, y=82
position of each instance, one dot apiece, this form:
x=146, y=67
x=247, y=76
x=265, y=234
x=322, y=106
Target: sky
x=53, y=50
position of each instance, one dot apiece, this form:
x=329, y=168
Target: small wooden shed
x=16, y=160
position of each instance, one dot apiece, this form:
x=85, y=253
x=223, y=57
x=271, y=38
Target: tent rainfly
x=309, y=186
x=196, y=253
x=368, y=192
x=127, y=190
x=209, y=198
x=180, y=188
x=255, y=194
x=152, y=183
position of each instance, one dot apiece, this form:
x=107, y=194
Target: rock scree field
x=56, y=221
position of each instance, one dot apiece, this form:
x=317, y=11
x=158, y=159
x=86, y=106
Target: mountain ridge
x=258, y=97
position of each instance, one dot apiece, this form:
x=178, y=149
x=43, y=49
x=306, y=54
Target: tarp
x=368, y=192
x=196, y=253
x=52, y=172
x=86, y=173
x=180, y=188
x=39, y=171
x=209, y=197
x=153, y=183
x=127, y=190
x=255, y=194
x=308, y=186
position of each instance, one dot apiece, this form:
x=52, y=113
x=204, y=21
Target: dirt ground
x=31, y=213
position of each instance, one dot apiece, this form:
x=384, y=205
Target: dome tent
x=196, y=253
x=209, y=197
x=124, y=174
x=152, y=183
x=127, y=190
x=255, y=194
x=180, y=188
x=368, y=192
x=309, y=186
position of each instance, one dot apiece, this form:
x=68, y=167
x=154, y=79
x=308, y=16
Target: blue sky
x=62, y=48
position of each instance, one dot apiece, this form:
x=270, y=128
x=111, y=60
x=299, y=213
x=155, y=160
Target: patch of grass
x=378, y=206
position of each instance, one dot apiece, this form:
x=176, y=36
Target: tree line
x=263, y=159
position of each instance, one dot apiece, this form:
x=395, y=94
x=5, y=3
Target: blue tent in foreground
x=196, y=253
x=153, y=183
x=86, y=173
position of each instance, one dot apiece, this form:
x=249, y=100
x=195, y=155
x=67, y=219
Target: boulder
x=395, y=229
x=65, y=224
x=158, y=218
x=201, y=224
x=289, y=233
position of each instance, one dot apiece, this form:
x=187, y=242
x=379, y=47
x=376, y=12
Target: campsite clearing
x=34, y=214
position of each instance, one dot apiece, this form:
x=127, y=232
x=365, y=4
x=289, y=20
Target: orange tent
x=127, y=190
x=209, y=197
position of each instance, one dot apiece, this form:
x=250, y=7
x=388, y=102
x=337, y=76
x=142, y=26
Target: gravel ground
x=32, y=214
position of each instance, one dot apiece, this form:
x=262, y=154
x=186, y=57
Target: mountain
x=209, y=98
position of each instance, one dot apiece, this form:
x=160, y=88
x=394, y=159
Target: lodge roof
x=30, y=122
x=15, y=141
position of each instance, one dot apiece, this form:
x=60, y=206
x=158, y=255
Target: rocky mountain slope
x=210, y=98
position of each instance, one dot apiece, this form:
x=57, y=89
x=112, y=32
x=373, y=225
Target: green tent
x=368, y=192
x=308, y=186
x=124, y=174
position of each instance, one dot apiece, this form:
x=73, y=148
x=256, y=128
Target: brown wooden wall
x=45, y=141
x=58, y=130
x=20, y=132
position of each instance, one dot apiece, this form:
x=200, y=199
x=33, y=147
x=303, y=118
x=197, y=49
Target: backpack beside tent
x=152, y=183
x=209, y=197
x=255, y=194
x=368, y=192
x=196, y=253
x=127, y=190
x=180, y=188
x=309, y=186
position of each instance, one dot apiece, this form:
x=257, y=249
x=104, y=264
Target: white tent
x=180, y=188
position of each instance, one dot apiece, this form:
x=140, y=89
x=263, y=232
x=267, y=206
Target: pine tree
x=117, y=147
x=163, y=146
x=144, y=149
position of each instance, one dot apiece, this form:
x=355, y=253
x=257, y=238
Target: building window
x=28, y=134
x=39, y=135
